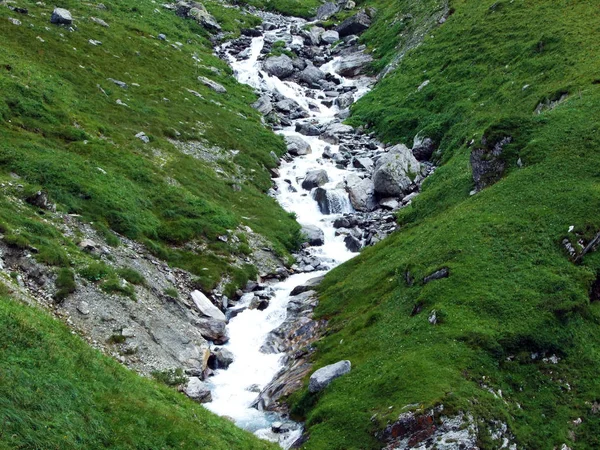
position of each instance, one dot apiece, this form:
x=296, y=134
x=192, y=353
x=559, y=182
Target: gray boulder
x=221, y=358
x=198, y=12
x=206, y=307
x=423, y=148
x=314, y=178
x=332, y=133
x=344, y=100
x=314, y=35
x=263, y=105
x=396, y=171
x=308, y=286
x=330, y=36
x=307, y=129
x=61, y=16
x=361, y=193
x=363, y=162
x=279, y=66
x=314, y=235
x=355, y=24
x=297, y=146
x=321, y=378
x=327, y=10
x=212, y=329
x=197, y=390
x=287, y=105
x=352, y=243
x=212, y=85
x=311, y=75
x=354, y=64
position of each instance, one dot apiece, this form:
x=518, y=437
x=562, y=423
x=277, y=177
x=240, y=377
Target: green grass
x=61, y=130
x=512, y=290
x=297, y=8
x=58, y=393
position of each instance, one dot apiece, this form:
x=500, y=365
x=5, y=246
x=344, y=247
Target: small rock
x=14, y=21
x=197, y=390
x=314, y=178
x=83, y=308
x=314, y=235
x=212, y=84
x=142, y=137
x=61, y=16
x=100, y=22
x=321, y=378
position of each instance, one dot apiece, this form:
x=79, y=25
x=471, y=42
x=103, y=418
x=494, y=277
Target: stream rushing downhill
x=234, y=389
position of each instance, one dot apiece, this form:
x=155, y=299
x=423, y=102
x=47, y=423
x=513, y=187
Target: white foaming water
x=235, y=389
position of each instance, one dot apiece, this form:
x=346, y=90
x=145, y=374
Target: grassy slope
x=58, y=129
x=58, y=393
x=512, y=289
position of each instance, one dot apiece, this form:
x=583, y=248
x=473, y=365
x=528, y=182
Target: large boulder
x=206, y=307
x=355, y=24
x=311, y=75
x=279, y=66
x=361, y=193
x=332, y=133
x=330, y=36
x=198, y=12
x=321, y=378
x=307, y=129
x=314, y=178
x=212, y=329
x=354, y=64
x=423, y=148
x=345, y=100
x=326, y=10
x=61, y=16
x=487, y=162
x=313, y=36
x=313, y=235
x=396, y=172
x=297, y=146
x=308, y=286
x=221, y=358
x=263, y=105
x=197, y=390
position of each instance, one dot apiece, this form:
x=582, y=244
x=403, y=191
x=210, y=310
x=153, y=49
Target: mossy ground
x=58, y=393
x=512, y=291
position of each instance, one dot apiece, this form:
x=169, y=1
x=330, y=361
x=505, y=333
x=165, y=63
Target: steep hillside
x=57, y=393
x=511, y=334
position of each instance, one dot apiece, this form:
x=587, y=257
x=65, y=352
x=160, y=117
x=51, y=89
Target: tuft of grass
x=96, y=271
x=117, y=285
x=57, y=392
x=172, y=292
x=170, y=377
x=131, y=276
x=65, y=284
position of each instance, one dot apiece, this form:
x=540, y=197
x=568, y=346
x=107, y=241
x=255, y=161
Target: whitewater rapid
x=235, y=389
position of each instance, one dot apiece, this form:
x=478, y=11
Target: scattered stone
x=330, y=36
x=352, y=244
x=94, y=42
x=263, y=105
x=322, y=377
x=198, y=12
x=307, y=129
x=212, y=84
x=197, y=390
x=84, y=308
x=100, y=22
x=361, y=193
x=354, y=64
x=423, y=148
x=121, y=84
x=311, y=75
x=437, y=275
x=345, y=100
x=142, y=137
x=61, y=16
x=162, y=37
x=41, y=200
x=14, y=21
x=326, y=10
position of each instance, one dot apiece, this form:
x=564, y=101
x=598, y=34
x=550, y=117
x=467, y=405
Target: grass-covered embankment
x=62, y=130
x=58, y=393
x=513, y=296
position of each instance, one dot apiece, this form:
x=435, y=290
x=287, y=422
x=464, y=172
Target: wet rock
x=206, y=307
x=332, y=201
x=330, y=36
x=314, y=178
x=354, y=64
x=212, y=329
x=212, y=85
x=252, y=32
x=279, y=66
x=311, y=75
x=287, y=105
x=361, y=193
x=389, y=203
x=326, y=10
x=352, y=243
x=307, y=129
x=355, y=24
x=259, y=303
x=313, y=235
x=221, y=358
x=197, y=390
x=345, y=100
x=334, y=131
x=363, y=163
x=297, y=146
x=314, y=35
x=396, y=171
x=322, y=377
x=61, y=16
